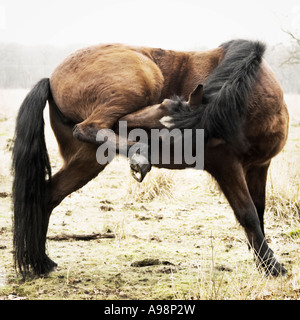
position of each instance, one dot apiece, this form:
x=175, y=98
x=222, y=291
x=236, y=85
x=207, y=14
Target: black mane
x=225, y=93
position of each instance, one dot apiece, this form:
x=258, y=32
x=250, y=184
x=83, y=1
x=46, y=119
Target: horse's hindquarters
x=98, y=78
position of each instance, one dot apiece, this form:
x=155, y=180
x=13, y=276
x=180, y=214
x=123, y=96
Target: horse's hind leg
x=74, y=174
x=80, y=166
x=80, y=163
x=256, y=178
x=231, y=178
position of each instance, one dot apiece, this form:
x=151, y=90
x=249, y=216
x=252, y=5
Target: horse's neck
x=174, y=67
x=201, y=66
x=184, y=71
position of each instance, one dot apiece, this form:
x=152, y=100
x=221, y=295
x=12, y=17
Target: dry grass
x=283, y=189
x=158, y=183
x=283, y=198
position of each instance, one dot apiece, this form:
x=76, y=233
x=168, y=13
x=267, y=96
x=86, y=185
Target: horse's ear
x=195, y=97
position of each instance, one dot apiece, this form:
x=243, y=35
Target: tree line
x=22, y=66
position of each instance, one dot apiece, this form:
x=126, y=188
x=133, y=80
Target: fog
x=173, y=24
x=36, y=35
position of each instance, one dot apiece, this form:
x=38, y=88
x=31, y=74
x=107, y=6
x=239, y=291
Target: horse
x=237, y=101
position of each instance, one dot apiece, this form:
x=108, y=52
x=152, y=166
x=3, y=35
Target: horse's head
x=195, y=98
x=177, y=106
x=178, y=103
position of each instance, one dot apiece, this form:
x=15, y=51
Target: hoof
x=40, y=268
x=272, y=268
x=47, y=267
x=139, y=167
x=276, y=270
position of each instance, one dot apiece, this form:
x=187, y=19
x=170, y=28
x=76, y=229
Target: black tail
x=225, y=93
x=31, y=166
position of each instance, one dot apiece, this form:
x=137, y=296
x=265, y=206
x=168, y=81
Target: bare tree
x=293, y=50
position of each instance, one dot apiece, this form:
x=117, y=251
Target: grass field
x=182, y=243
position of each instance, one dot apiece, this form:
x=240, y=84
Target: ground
x=182, y=244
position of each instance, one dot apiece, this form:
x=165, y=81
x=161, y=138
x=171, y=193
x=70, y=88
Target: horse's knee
x=85, y=133
x=77, y=132
x=81, y=132
x=248, y=219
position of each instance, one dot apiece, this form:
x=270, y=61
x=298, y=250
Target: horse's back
x=106, y=74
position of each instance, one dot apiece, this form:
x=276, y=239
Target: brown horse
x=241, y=110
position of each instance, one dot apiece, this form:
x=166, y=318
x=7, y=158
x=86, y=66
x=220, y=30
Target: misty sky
x=174, y=24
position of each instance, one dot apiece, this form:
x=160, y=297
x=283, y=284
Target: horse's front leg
x=229, y=173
